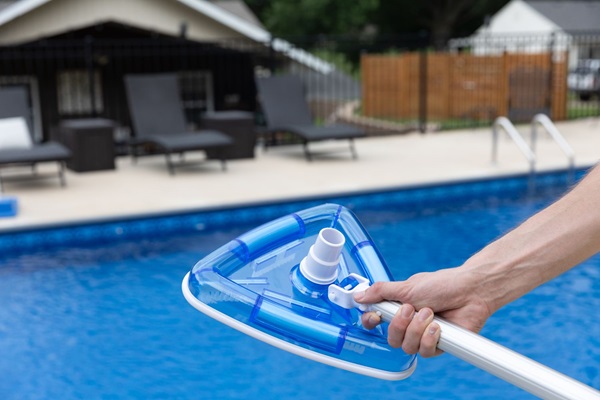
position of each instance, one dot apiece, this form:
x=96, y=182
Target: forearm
x=546, y=245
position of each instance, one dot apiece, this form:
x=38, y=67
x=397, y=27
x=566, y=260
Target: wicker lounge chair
x=17, y=147
x=285, y=109
x=158, y=118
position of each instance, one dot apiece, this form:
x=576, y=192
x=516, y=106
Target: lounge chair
x=158, y=118
x=285, y=109
x=17, y=147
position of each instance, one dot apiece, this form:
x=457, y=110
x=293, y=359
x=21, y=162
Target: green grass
x=580, y=112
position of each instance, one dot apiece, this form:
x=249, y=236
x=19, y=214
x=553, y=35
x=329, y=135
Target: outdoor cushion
x=38, y=153
x=325, y=132
x=185, y=141
x=14, y=134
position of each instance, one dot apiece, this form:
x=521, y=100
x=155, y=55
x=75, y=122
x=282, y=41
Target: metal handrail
x=510, y=129
x=547, y=123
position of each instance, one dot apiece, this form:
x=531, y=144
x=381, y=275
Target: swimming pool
x=96, y=311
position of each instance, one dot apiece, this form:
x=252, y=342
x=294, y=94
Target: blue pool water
x=97, y=311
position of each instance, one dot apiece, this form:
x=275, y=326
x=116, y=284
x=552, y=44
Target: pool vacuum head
x=272, y=283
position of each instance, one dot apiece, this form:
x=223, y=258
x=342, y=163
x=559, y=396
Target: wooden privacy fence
x=442, y=86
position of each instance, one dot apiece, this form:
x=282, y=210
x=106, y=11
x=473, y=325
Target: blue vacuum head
x=256, y=284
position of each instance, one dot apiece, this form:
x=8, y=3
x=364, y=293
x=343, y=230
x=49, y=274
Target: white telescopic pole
x=500, y=361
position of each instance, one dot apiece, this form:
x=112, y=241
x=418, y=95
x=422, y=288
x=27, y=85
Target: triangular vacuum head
x=254, y=285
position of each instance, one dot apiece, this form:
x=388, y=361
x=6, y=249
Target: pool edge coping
x=116, y=218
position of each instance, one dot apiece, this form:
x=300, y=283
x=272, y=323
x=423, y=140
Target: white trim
x=19, y=8
x=289, y=347
x=302, y=56
x=258, y=34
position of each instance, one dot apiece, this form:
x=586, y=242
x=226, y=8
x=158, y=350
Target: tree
x=442, y=19
x=314, y=17
x=445, y=19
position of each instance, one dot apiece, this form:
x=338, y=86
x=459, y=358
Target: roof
x=15, y=8
x=570, y=15
x=236, y=17
x=240, y=9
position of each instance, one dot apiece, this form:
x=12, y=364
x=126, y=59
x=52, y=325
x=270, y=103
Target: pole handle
x=500, y=361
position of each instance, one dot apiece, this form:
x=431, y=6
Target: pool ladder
x=529, y=151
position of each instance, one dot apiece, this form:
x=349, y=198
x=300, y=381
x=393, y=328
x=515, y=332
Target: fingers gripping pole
x=483, y=353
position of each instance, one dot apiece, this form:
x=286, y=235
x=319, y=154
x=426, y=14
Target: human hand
x=450, y=293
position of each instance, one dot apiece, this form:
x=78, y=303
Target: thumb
x=380, y=291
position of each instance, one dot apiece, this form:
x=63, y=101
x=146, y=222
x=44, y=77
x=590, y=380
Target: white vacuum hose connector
x=320, y=266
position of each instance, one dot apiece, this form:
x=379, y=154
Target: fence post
x=423, y=90
x=504, y=100
x=89, y=61
x=550, y=94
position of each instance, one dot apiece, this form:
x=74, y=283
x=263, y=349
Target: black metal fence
x=384, y=84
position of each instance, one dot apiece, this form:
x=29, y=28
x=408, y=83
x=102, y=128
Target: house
x=531, y=26
x=73, y=54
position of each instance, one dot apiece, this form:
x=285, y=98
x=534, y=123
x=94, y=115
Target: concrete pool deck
x=282, y=173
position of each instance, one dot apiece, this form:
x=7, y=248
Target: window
x=196, y=94
x=75, y=94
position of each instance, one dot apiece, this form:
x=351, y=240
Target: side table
x=91, y=142
x=239, y=125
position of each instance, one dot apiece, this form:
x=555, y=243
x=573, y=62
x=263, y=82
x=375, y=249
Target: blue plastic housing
x=255, y=279
x=8, y=206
